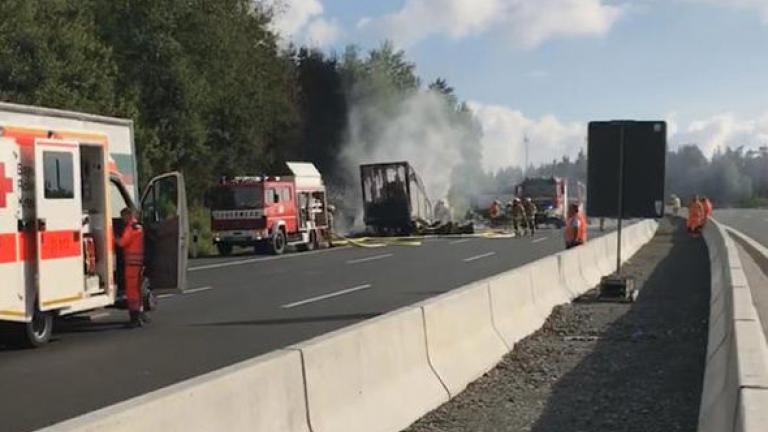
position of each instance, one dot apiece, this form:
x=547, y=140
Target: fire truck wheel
x=224, y=248
x=277, y=245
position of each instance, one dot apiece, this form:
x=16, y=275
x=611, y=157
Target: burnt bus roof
x=381, y=164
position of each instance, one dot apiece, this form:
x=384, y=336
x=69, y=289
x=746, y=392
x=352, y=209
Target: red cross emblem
x=6, y=186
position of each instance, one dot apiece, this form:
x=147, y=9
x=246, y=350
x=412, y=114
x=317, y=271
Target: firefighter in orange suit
x=132, y=243
x=575, y=227
x=696, y=216
x=707, y=205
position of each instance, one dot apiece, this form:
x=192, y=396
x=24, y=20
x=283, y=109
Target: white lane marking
x=370, y=258
x=540, y=239
x=460, y=241
x=326, y=296
x=477, y=257
x=162, y=296
x=197, y=290
x=262, y=259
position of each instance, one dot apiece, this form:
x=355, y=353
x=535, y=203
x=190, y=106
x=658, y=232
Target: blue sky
x=544, y=68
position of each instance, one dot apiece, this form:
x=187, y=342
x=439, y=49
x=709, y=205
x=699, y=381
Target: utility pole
x=525, y=143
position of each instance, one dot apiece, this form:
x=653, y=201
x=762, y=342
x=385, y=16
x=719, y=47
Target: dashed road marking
x=197, y=290
x=370, y=258
x=540, y=239
x=162, y=296
x=459, y=241
x=262, y=259
x=326, y=296
x=481, y=256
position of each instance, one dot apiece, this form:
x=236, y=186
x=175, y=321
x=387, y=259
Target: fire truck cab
x=269, y=211
x=60, y=201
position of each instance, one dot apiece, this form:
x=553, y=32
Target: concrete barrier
x=736, y=374
x=571, y=270
x=512, y=306
x=589, y=261
x=372, y=376
x=752, y=415
x=378, y=375
x=262, y=394
x=605, y=264
x=462, y=341
x=547, y=286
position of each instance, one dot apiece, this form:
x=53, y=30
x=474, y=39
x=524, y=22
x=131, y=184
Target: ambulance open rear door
x=166, y=228
x=59, y=223
x=12, y=289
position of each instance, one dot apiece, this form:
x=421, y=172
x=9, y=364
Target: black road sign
x=642, y=145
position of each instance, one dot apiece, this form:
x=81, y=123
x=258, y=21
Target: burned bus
x=394, y=198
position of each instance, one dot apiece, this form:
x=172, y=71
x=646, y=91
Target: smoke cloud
x=423, y=129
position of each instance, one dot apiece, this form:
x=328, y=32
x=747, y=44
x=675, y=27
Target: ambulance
x=64, y=177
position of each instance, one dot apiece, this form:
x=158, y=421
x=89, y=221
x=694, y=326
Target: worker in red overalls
x=575, y=227
x=132, y=243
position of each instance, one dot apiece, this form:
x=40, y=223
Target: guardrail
x=381, y=374
x=735, y=391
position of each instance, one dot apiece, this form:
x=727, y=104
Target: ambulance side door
x=12, y=295
x=166, y=231
x=59, y=223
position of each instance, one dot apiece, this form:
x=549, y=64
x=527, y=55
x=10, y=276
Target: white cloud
x=760, y=6
x=302, y=21
x=504, y=130
x=526, y=23
x=721, y=131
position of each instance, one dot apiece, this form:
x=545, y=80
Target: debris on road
x=604, y=366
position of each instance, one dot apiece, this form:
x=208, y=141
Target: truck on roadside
x=270, y=212
x=64, y=178
x=550, y=194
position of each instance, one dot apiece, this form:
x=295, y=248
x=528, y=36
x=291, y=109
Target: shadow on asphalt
x=299, y=320
x=646, y=369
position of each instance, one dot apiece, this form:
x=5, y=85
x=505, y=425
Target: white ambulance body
x=61, y=191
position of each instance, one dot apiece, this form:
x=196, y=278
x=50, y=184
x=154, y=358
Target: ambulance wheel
x=37, y=332
x=277, y=245
x=149, y=299
x=224, y=248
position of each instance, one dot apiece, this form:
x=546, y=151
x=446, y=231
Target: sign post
x=618, y=189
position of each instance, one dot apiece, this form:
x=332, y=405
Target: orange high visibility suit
x=495, y=210
x=578, y=221
x=707, y=208
x=132, y=243
x=696, y=215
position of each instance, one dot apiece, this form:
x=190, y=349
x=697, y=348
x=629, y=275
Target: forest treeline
x=213, y=92
x=208, y=84
x=732, y=177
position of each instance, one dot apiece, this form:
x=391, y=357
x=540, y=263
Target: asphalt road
x=752, y=222
x=237, y=308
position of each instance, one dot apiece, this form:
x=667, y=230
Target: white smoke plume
x=422, y=130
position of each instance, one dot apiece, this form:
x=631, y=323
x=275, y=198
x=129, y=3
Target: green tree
x=52, y=56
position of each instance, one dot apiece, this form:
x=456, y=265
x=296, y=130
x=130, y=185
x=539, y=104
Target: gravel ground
x=602, y=366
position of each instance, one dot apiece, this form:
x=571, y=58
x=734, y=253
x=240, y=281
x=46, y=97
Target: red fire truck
x=270, y=211
x=551, y=197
